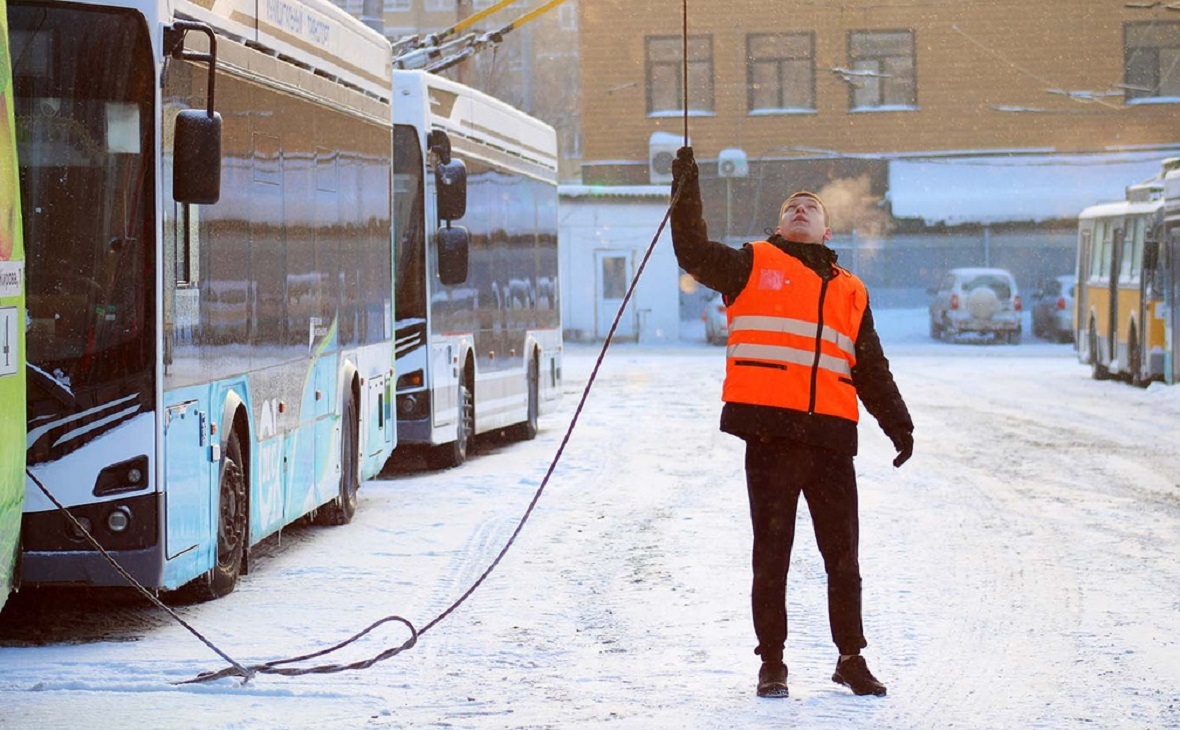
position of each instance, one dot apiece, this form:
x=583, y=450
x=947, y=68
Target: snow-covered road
x=1021, y=571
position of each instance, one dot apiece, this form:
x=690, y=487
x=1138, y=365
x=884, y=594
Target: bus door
x=1116, y=266
x=1172, y=300
x=1082, y=290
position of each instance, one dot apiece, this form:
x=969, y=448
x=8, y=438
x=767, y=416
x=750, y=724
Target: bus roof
x=1121, y=207
x=427, y=101
x=311, y=33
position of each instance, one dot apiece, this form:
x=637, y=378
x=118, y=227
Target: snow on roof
x=1014, y=187
x=615, y=191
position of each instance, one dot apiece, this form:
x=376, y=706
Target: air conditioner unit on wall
x=732, y=163
x=661, y=150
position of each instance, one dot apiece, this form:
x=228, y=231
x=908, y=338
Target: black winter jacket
x=727, y=270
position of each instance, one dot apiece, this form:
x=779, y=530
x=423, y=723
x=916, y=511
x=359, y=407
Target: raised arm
x=713, y=264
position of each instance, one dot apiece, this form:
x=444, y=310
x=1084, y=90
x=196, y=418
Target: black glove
x=684, y=167
x=903, y=441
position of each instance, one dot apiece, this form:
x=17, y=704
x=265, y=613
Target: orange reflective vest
x=792, y=337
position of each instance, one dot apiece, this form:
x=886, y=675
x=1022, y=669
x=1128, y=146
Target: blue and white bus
x=478, y=317
x=207, y=220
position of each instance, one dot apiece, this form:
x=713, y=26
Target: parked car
x=978, y=302
x=716, y=323
x=1052, y=311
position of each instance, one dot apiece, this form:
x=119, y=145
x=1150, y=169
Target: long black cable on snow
x=273, y=667
x=276, y=667
x=77, y=525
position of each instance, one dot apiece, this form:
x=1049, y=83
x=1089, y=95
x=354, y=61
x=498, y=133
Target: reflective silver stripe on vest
x=790, y=355
x=791, y=327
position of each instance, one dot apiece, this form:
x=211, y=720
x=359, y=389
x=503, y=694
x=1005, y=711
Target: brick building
x=903, y=105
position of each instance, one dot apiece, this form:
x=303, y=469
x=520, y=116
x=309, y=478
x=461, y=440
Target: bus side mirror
x=1151, y=255
x=196, y=164
x=452, y=244
x=450, y=180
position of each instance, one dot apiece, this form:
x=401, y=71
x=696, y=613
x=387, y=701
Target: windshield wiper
x=53, y=386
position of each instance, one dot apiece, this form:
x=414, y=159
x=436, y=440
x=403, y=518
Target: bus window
x=1100, y=253
x=1133, y=230
x=1133, y=250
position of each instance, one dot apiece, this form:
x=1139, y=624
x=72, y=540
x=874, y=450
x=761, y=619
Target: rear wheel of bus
x=341, y=510
x=1135, y=361
x=527, y=430
x=1098, y=371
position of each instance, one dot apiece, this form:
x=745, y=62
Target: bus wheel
x=341, y=510
x=453, y=454
x=1098, y=371
x=527, y=429
x=231, y=528
x=1135, y=361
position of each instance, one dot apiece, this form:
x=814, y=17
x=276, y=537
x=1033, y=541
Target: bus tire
x=1135, y=361
x=342, y=509
x=232, y=519
x=1098, y=371
x=527, y=430
x=449, y=455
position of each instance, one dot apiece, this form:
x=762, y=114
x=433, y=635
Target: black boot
x=854, y=673
x=772, y=679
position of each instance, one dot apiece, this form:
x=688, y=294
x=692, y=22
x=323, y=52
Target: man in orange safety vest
x=802, y=352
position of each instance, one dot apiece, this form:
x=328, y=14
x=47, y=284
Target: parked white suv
x=976, y=301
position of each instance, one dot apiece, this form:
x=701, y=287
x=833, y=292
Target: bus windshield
x=83, y=94
x=409, y=226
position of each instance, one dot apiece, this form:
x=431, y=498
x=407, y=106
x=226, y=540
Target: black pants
x=776, y=473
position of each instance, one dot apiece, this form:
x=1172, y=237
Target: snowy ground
x=1020, y=572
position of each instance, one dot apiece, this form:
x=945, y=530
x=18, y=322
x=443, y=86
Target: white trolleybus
x=478, y=320
x=207, y=229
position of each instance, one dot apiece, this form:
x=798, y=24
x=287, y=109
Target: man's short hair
x=805, y=194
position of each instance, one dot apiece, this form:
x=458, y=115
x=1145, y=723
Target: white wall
x=594, y=221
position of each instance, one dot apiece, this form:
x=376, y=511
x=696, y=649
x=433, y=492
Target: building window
x=1151, y=53
x=352, y=7
x=665, y=74
x=396, y=6
x=438, y=5
x=882, y=69
x=780, y=71
x=567, y=15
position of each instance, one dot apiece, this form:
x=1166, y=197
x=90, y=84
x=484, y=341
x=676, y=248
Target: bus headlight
x=77, y=533
x=125, y=476
x=119, y=519
x=408, y=404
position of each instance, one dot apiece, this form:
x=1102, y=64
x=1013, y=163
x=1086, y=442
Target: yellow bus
x=1120, y=315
